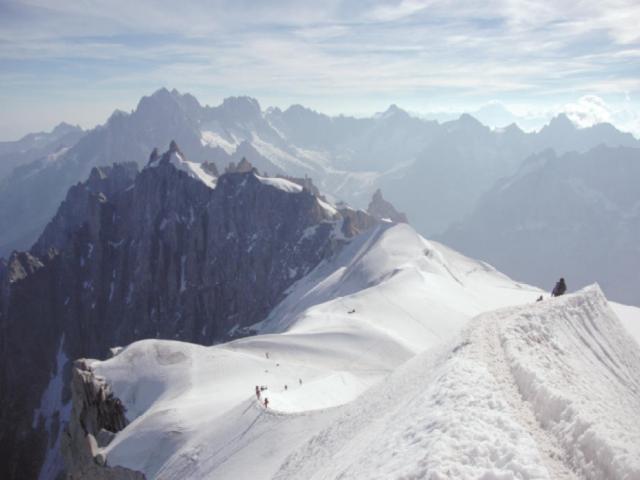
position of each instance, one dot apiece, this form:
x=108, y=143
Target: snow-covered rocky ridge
x=547, y=391
x=509, y=394
x=535, y=391
x=152, y=254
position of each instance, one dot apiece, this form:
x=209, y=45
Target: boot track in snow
x=486, y=344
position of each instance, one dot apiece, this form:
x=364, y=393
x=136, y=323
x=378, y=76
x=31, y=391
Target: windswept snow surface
x=543, y=391
x=388, y=377
x=630, y=318
x=215, y=139
x=343, y=328
x=281, y=184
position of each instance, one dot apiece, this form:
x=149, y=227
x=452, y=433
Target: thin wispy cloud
x=335, y=56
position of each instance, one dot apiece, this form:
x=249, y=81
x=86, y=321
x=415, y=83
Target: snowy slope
x=549, y=390
x=193, y=408
x=630, y=318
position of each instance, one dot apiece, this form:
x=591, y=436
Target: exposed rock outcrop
x=244, y=166
x=384, y=210
x=96, y=415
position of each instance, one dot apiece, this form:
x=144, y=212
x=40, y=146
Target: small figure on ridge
x=559, y=289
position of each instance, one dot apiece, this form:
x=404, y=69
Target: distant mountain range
x=435, y=172
x=39, y=147
x=575, y=215
x=439, y=174
x=166, y=246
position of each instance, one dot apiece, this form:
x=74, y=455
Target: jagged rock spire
x=243, y=166
x=384, y=210
x=154, y=156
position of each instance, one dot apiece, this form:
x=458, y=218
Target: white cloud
x=347, y=52
x=399, y=10
x=588, y=110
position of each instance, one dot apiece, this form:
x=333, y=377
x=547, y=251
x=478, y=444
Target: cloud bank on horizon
x=77, y=61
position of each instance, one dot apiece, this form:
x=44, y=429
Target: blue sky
x=78, y=60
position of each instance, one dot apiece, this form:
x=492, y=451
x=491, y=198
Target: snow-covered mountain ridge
x=509, y=394
x=542, y=391
x=388, y=295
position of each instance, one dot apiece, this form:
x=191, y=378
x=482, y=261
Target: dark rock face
x=83, y=202
x=160, y=255
x=382, y=209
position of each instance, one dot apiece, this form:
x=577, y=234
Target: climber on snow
x=266, y=402
x=559, y=289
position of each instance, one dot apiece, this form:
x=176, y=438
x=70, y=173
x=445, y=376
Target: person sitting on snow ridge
x=559, y=289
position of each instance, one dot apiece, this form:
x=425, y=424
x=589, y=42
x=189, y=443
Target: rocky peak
x=384, y=210
x=243, y=166
x=241, y=107
x=237, y=112
x=168, y=104
x=167, y=157
x=513, y=130
x=64, y=128
x=393, y=112
x=153, y=158
x=299, y=112
x=468, y=120
x=210, y=168
x=561, y=122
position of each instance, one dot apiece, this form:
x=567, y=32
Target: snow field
x=578, y=368
x=393, y=384
x=546, y=390
x=280, y=183
x=341, y=329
